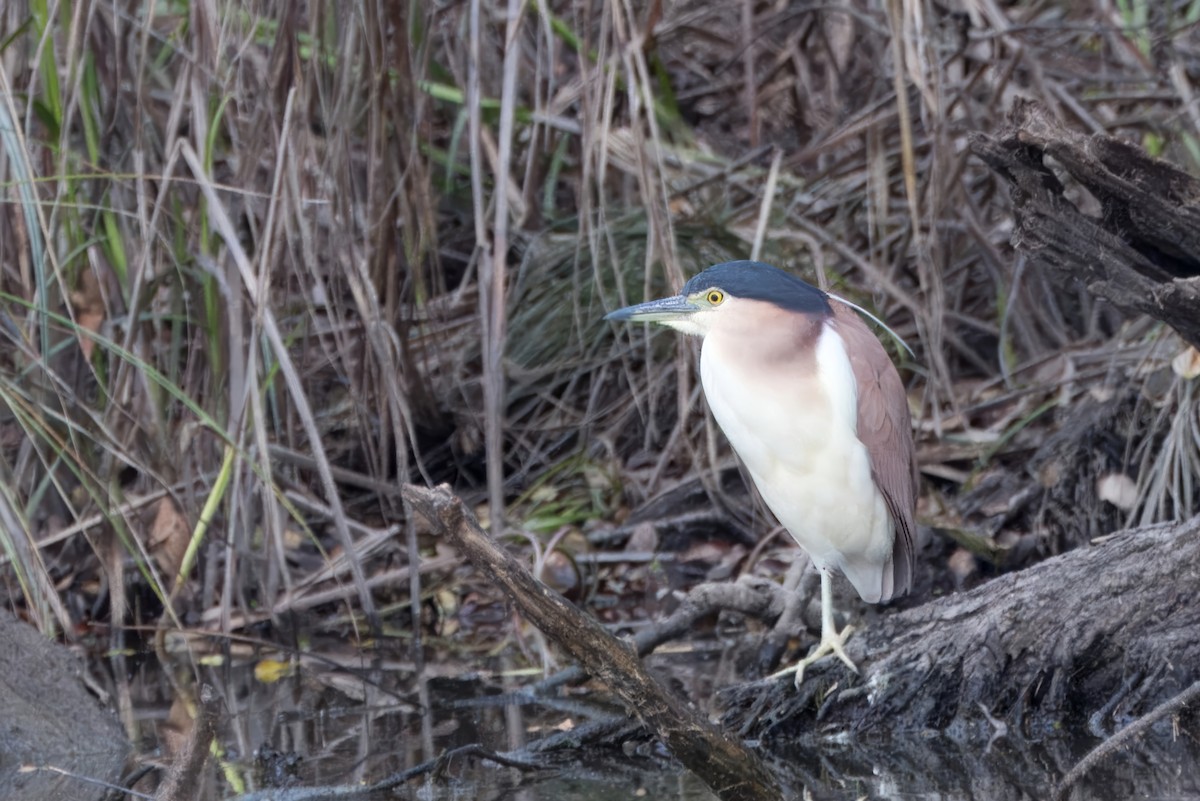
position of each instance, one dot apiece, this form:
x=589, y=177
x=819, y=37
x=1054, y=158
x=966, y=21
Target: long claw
x=832, y=640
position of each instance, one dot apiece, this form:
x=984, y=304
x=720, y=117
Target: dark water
x=340, y=726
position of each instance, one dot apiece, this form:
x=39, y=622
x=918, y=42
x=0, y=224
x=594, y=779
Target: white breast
x=796, y=435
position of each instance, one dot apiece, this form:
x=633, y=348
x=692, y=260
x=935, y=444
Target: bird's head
x=729, y=294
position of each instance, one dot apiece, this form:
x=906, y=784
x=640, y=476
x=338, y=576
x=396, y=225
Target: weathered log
x=1142, y=253
x=1101, y=633
x=730, y=769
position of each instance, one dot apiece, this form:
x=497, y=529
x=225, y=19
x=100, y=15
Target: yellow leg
x=832, y=641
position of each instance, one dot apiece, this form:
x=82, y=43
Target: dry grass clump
x=261, y=263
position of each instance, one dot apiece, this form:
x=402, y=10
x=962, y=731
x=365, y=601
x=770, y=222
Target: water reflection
x=327, y=724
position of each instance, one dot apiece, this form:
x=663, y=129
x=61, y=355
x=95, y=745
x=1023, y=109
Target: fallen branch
x=730, y=769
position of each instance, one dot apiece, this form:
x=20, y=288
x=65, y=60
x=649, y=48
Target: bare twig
x=1107, y=748
x=749, y=596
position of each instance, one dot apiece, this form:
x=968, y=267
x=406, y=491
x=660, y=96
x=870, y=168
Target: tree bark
x=1142, y=253
x=1097, y=635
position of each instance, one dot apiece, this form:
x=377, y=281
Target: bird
x=815, y=410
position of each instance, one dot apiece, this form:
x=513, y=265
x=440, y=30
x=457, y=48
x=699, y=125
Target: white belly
x=796, y=435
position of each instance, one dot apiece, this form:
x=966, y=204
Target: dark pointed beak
x=656, y=311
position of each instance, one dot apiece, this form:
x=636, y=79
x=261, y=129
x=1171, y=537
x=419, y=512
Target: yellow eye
x=715, y=297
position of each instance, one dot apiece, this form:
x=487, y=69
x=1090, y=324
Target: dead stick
x=1107, y=748
x=730, y=769
x=183, y=778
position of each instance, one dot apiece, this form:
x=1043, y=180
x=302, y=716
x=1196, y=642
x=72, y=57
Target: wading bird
x=817, y=413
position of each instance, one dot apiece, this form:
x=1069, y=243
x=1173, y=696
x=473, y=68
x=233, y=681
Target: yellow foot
x=832, y=642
